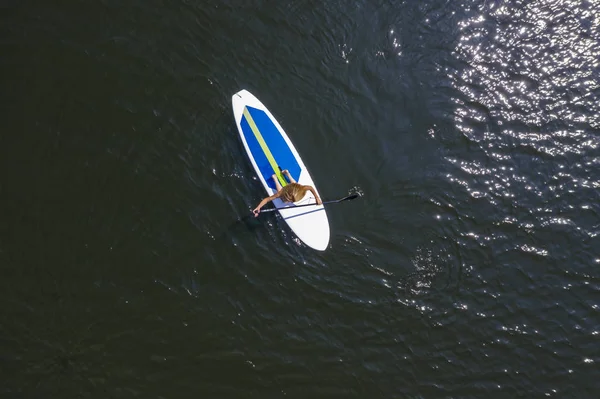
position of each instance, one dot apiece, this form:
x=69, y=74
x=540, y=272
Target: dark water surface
x=469, y=269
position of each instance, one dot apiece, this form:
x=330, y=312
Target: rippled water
x=467, y=269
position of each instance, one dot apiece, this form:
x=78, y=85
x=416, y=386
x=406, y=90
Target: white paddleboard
x=269, y=149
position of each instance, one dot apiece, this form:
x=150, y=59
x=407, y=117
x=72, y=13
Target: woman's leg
x=286, y=173
x=276, y=180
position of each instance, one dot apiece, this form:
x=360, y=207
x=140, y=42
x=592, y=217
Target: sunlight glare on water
x=532, y=61
x=528, y=93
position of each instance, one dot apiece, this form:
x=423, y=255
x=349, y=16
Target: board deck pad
x=257, y=126
x=270, y=151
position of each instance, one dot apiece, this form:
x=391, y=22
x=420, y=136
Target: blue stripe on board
x=277, y=145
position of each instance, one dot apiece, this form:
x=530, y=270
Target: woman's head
x=293, y=192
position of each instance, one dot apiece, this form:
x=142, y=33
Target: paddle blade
x=351, y=197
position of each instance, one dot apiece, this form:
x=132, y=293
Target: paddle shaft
x=348, y=198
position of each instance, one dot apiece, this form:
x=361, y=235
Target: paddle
x=246, y=218
x=348, y=198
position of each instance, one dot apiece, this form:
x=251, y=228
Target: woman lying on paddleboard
x=293, y=192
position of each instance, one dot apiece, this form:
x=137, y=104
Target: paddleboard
x=270, y=151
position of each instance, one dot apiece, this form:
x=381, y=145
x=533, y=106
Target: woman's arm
x=256, y=210
x=312, y=190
